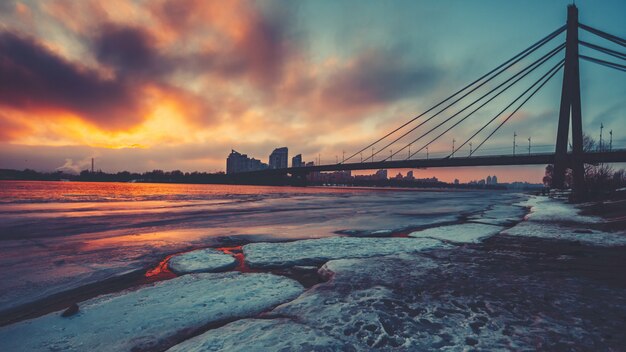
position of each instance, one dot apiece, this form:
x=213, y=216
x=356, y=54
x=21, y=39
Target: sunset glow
x=178, y=84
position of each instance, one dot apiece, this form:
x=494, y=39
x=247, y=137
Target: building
x=488, y=180
x=381, y=174
x=237, y=162
x=456, y=181
x=494, y=180
x=296, y=161
x=278, y=158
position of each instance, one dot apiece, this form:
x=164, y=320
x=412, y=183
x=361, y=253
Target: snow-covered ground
x=319, y=251
x=463, y=233
x=550, y=218
x=201, y=260
x=152, y=317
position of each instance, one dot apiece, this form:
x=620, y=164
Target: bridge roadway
x=614, y=156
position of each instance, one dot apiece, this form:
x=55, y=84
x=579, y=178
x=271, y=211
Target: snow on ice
x=319, y=251
x=201, y=260
x=261, y=335
x=555, y=219
x=152, y=317
x=463, y=233
x=500, y=214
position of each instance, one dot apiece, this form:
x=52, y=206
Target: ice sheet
x=261, y=335
x=319, y=251
x=152, y=317
x=201, y=260
x=465, y=233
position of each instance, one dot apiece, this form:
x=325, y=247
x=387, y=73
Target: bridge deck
x=496, y=160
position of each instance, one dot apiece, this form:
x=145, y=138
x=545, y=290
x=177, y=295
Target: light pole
x=390, y=154
x=373, y=154
x=470, y=154
x=528, y=145
x=409, y=157
x=601, y=127
x=453, y=140
x=611, y=140
x=514, y=135
x=426, y=153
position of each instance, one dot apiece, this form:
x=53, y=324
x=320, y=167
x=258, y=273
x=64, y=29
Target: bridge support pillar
x=570, y=108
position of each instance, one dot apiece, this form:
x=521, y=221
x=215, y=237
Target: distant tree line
x=160, y=176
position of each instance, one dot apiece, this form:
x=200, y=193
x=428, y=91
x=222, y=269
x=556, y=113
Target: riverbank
x=486, y=282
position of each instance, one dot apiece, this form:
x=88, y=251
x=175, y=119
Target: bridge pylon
x=570, y=108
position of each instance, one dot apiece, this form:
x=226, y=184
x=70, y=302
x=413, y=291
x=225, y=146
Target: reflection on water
x=42, y=191
x=60, y=235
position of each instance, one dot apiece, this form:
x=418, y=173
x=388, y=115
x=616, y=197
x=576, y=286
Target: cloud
x=377, y=77
x=129, y=49
x=33, y=78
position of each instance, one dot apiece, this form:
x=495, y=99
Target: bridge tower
x=570, y=108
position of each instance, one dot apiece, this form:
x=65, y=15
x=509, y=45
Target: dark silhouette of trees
x=599, y=178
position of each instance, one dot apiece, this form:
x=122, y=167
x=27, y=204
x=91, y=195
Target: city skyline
x=174, y=85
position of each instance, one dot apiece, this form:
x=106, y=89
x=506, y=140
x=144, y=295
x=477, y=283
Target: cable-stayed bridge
x=422, y=131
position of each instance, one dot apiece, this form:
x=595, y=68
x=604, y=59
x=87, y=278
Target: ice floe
x=548, y=209
x=319, y=251
x=500, y=214
x=464, y=233
x=201, y=260
x=550, y=218
x=261, y=335
x=152, y=317
x=566, y=232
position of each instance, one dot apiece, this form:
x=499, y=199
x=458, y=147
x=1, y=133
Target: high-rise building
x=494, y=180
x=296, y=161
x=278, y=158
x=488, y=180
x=409, y=175
x=237, y=162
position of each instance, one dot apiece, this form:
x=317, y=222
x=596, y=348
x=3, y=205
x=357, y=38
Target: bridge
x=558, y=56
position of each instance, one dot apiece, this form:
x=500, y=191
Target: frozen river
x=62, y=235
x=152, y=267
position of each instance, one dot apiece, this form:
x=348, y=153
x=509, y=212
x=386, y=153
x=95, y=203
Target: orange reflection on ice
x=161, y=271
x=237, y=252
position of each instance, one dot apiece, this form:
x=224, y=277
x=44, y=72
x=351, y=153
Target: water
x=61, y=235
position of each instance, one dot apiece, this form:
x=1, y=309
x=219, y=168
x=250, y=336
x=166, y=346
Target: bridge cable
x=556, y=67
x=607, y=36
x=510, y=62
x=609, y=64
x=541, y=60
x=530, y=67
x=604, y=50
x=554, y=71
x=481, y=106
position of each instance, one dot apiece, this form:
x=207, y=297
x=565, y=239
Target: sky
x=176, y=84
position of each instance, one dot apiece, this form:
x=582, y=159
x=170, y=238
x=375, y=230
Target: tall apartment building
x=279, y=158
